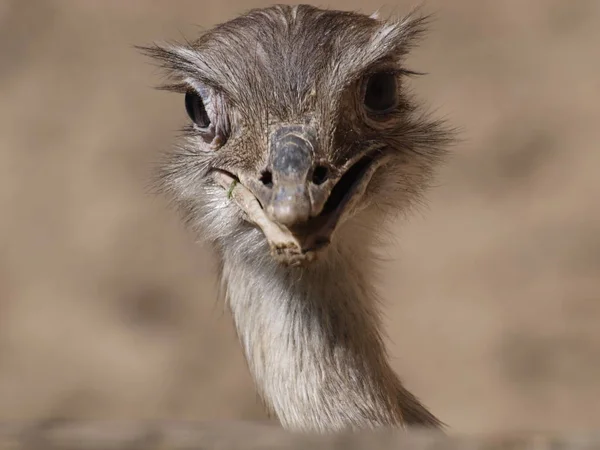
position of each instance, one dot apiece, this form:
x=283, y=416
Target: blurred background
x=108, y=308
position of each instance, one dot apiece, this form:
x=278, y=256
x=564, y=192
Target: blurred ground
x=108, y=309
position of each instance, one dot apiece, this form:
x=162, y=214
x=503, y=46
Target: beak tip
x=289, y=205
x=288, y=214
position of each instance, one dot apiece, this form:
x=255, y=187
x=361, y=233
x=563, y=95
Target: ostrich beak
x=298, y=203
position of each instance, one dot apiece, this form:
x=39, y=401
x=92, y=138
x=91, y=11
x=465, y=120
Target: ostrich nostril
x=320, y=175
x=266, y=178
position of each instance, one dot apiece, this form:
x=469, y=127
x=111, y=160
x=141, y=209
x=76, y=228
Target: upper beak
x=293, y=194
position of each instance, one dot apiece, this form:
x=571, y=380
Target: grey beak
x=291, y=164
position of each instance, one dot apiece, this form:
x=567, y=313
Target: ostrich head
x=300, y=122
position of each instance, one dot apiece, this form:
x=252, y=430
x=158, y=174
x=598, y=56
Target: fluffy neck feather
x=312, y=341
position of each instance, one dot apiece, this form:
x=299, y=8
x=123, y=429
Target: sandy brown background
x=108, y=308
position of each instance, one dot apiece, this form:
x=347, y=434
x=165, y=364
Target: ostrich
x=302, y=143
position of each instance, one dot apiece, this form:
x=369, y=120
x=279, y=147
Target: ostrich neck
x=312, y=341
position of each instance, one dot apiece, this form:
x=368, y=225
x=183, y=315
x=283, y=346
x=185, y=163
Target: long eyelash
x=410, y=73
x=180, y=88
x=393, y=70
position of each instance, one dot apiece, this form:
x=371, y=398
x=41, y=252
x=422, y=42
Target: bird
x=303, y=144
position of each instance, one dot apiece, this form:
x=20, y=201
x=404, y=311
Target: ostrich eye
x=380, y=94
x=194, y=105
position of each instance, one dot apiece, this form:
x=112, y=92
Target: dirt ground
x=108, y=308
